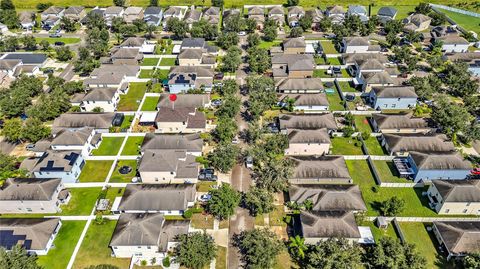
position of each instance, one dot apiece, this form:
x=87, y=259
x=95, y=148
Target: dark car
x=336, y=70
x=207, y=171
x=207, y=177
x=48, y=71
x=218, y=76
x=118, y=119
x=350, y=97
x=59, y=43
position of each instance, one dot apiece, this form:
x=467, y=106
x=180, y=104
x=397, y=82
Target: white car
x=204, y=198
x=249, y=162
x=242, y=33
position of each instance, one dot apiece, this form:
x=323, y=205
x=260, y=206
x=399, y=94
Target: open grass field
x=268, y=45
x=127, y=178
x=95, y=171
x=109, y=146
x=132, y=146
x=59, y=255
x=328, y=47
x=346, y=146
x=82, y=201
x=347, y=86
x=66, y=40
x=94, y=249
x=131, y=100
x=150, y=103
x=468, y=22
x=202, y=221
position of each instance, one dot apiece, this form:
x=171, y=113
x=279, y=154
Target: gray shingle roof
x=157, y=197
x=190, y=143
x=326, y=197
x=327, y=224
x=387, y=12
x=72, y=137
x=29, y=189
x=323, y=167
x=100, y=94
x=295, y=62
x=459, y=237
x=178, y=161
x=307, y=121
x=300, y=84
x=80, y=120
x=297, y=42
x=27, y=58
x=133, y=42
x=381, y=78
x=417, y=142
x=395, y=92
x=184, y=100
x=36, y=230
x=399, y=121
x=297, y=136
x=359, y=58
x=356, y=41
x=73, y=10
x=56, y=161
x=453, y=40
x=440, y=161
x=191, y=54
x=464, y=191
x=149, y=11
x=316, y=99
x=8, y=65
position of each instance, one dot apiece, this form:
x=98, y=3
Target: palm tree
x=307, y=204
x=297, y=246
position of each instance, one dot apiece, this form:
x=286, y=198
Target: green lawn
x=416, y=233
x=380, y=233
x=277, y=216
x=59, y=255
x=374, y=147
x=346, y=146
x=94, y=249
x=201, y=221
x=468, y=22
x=416, y=205
x=66, y=40
x=95, y=171
x=146, y=73
x=205, y=186
x=150, y=61
x=347, y=86
x=131, y=100
x=132, y=146
x=335, y=103
x=150, y=103
x=119, y=178
x=161, y=74
x=109, y=146
x=113, y=193
x=82, y=201
x=221, y=261
x=362, y=124
x=268, y=45
x=127, y=121
x=388, y=172
x=333, y=61
x=328, y=47
x=168, y=61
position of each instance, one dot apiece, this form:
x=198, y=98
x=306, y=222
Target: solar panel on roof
x=8, y=240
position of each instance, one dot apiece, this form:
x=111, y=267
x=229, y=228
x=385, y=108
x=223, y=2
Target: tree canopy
x=224, y=156
x=17, y=258
x=258, y=201
x=223, y=202
x=259, y=248
x=391, y=253
x=195, y=250
x=333, y=253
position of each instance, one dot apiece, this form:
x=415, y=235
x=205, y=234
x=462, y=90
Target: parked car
x=249, y=162
x=349, y=97
x=59, y=43
x=30, y=147
x=218, y=76
x=204, y=198
x=118, y=119
x=242, y=33
x=55, y=35
x=217, y=102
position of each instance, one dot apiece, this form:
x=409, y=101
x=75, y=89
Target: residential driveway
x=241, y=221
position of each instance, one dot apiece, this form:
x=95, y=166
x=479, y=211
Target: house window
x=394, y=105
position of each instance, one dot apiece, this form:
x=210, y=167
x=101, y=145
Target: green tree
x=250, y=25
x=258, y=201
x=391, y=253
x=229, y=87
x=224, y=157
x=34, y=130
x=259, y=248
x=85, y=62
x=297, y=247
x=43, y=6
x=437, y=18
x=45, y=45
x=97, y=36
x=471, y=261
x=7, y=5
x=269, y=30
x=154, y=3
x=29, y=42
x=229, y=108
x=9, y=17
x=253, y=40
x=262, y=95
x=451, y=117
x=334, y=253
x=392, y=206
x=225, y=130
x=9, y=169
x=217, y=3
x=177, y=27
x=273, y=174
x=457, y=78
x=12, y=129
x=232, y=59
x=68, y=25
x=305, y=22
x=17, y=258
x=119, y=3
x=258, y=60
x=325, y=24
x=234, y=23
x=227, y=40
x=204, y=29
x=223, y=201
x=423, y=8
x=195, y=250
x=292, y=3
x=10, y=43
x=425, y=87
x=296, y=31
x=64, y=53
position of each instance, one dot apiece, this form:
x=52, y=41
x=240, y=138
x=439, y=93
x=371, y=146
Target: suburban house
x=395, y=97
x=184, y=78
x=191, y=143
x=192, y=16
x=417, y=22
x=65, y=165
x=400, y=123
x=471, y=58
x=386, y=14
x=174, y=12
x=317, y=16
x=112, y=76
x=360, y=11
x=402, y=144
x=126, y=54
x=438, y=165
x=82, y=139
x=356, y=60
x=308, y=142
x=146, y=235
x=320, y=170
x=32, y=195
x=293, y=66
x=307, y=103
x=376, y=63
x=277, y=14
x=132, y=13
x=328, y=197
x=458, y=238
x=101, y=122
x=322, y=225
x=104, y=98
x=294, y=45
x=257, y=13
x=112, y=12
x=180, y=120
x=10, y=67
x=153, y=15
x=453, y=43
x=51, y=17
x=75, y=13
x=336, y=14
x=299, y=85
x=358, y=44
x=307, y=121
x=140, y=43
x=175, y=166
x=98, y=11
x=35, y=235
x=198, y=43
x=212, y=15
x=196, y=57
x=27, y=20
x=184, y=100
x=294, y=15
x=28, y=59
x=169, y=199
x=369, y=80
x=456, y=197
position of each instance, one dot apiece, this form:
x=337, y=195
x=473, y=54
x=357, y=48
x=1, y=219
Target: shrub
x=143, y=263
x=375, y=189
x=188, y=214
x=287, y=219
x=166, y=262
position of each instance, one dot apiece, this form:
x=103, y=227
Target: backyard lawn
x=468, y=22
x=347, y=86
x=168, y=61
x=150, y=61
x=113, y=193
x=59, y=255
x=221, y=261
x=374, y=147
x=335, y=103
x=362, y=124
x=416, y=233
x=380, y=233
x=416, y=205
x=388, y=172
x=346, y=146
x=132, y=146
x=277, y=216
x=333, y=61
x=66, y=40
x=109, y=146
x=268, y=45
x=150, y=103
x=205, y=186
x=328, y=47
x=95, y=171
x=82, y=201
x=131, y=100
x=146, y=73
x=94, y=249
x=127, y=178
x=202, y=221
x=127, y=121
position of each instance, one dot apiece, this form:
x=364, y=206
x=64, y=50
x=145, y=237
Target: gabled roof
x=126, y=53
x=359, y=58
x=459, y=237
x=117, y=70
x=152, y=11
x=84, y=119
x=276, y=10
x=316, y=15
x=458, y=191
x=328, y=224
x=26, y=17
x=191, y=54
x=174, y=11
x=395, y=92
x=193, y=42
x=30, y=233
x=356, y=41
x=399, y=121
x=199, y=71
x=387, y=12
x=356, y=9
x=56, y=161
x=133, y=42
x=27, y=58
x=297, y=42
x=381, y=78
x=74, y=10
x=178, y=161
x=133, y=11
x=72, y=137
x=256, y=10
x=295, y=62
x=317, y=99
x=157, y=197
x=299, y=136
x=114, y=10
x=53, y=10
x=453, y=40
x=300, y=84
x=212, y=11
x=9, y=65
x=326, y=197
x=440, y=161
x=190, y=143
x=29, y=189
x=336, y=10
x=193, y=16
x=100, y=94
x=370, y=64
x=184, y=100
x=295, y=10
x=320, y=167
x=417, y=142
x=191, y=116
x=307, y=121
